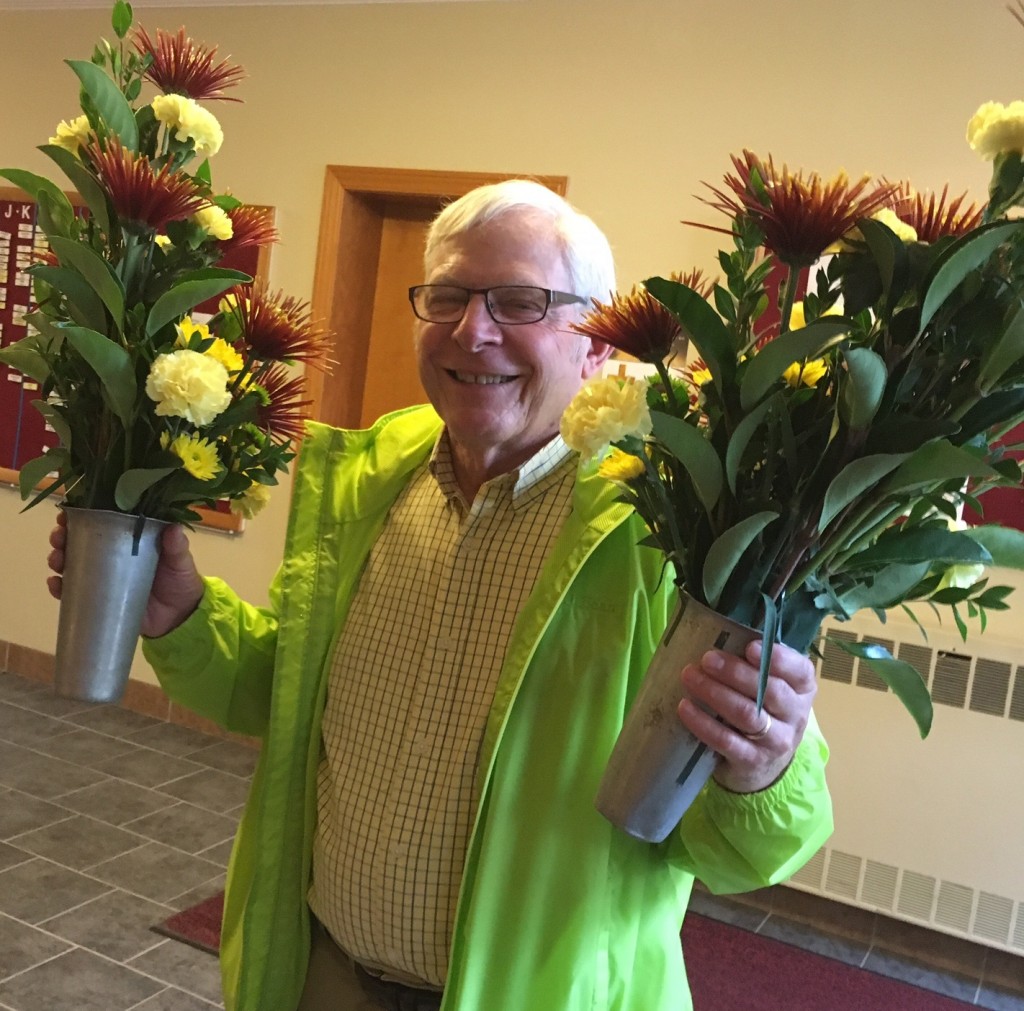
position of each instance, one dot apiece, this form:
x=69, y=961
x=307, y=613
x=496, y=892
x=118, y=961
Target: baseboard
x=139, y=696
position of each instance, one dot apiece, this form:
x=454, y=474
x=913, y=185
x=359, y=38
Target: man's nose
x=476, y=327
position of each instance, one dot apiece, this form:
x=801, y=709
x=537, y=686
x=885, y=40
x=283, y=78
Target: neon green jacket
x=558, y=911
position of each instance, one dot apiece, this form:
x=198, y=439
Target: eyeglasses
x=510, y=304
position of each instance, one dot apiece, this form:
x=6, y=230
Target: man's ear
x=597, y=353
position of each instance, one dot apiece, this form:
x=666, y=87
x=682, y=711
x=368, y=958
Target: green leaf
x=863, y=387
x=97, y=273
x=51, y=219
x=197, y=287
x=927, y=544
x=26, y=360
x=886, y=588
x=90, y=190
x=741, y=439
x=1005, y=545
x=701, y=324
x=121, y=18
x=963, y=256
x=34, y=185
x=934, y=463
x=133, y=484
x=113, y=107
x=855, y=479
x=1002, y=353
x=905, y=680
x=727, y=550
x=49, y=338
x=765, y=368
x=694, y=452
x=112, y=364
x=35, y=471
x=55, y=420
x=769, y=633
x=886, y=248
x=84, y=305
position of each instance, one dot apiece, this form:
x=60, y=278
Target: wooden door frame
x=356, y=201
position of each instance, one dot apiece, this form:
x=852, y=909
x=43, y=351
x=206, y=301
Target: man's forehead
x=516, y=252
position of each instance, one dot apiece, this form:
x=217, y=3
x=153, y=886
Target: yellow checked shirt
x=410, y=686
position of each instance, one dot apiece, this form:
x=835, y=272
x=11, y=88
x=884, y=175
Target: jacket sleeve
x=739, y=842
x=219, y=662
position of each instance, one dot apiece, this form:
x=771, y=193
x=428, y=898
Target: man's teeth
x=481, y=380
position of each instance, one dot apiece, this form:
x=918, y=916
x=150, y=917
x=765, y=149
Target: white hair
x=584, y=247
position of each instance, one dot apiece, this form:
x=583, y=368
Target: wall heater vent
x=981, y=684
x=926, y=831
x=994, y=920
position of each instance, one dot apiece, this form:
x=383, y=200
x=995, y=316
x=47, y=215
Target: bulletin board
x=24, y=434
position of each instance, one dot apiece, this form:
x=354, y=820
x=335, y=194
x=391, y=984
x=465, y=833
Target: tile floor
x=111, y=821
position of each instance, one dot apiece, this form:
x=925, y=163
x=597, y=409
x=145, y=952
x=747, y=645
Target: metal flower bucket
x=109, y=563
x=657, y=766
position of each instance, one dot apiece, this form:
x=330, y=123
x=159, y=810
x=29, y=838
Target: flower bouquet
x=814, y=460
x=157, y=407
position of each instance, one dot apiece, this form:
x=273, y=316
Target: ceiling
x=139, y=5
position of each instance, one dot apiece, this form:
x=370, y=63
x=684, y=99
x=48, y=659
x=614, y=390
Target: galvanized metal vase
x=109, y=562
x=658, y=767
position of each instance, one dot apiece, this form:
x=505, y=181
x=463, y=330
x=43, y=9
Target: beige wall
x=635, y=101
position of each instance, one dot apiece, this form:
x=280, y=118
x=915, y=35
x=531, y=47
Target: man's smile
x=479, y=378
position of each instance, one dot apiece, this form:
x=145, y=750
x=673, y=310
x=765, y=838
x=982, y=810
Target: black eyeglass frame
x=552, y=297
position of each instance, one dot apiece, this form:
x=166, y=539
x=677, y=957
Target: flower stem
x=788, y=297
x=666, y=382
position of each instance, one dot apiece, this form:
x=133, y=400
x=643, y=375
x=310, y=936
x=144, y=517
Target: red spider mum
x=934, y=216
x=183, y=67
x=636, y=323
x=276, y=327
x=283, y=411
x=138, y=192
x=799, y=217
x=250, y=226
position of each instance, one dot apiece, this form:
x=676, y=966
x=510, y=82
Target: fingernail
x=712, y=660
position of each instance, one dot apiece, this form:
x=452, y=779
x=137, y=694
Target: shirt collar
x=523, y=484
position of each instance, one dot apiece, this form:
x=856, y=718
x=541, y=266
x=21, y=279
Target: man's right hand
x=177, y=586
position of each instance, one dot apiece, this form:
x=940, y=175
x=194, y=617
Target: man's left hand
x=756, y=747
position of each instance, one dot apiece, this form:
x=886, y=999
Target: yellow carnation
x=71, y=135
x=808, y=373
x=888, y=217
x=605, y=411
x=996, y=128
x=188, y=120
x=252, y=501
x=198, y=455
x=215, y=222
x=619, y=466
x=190, y=385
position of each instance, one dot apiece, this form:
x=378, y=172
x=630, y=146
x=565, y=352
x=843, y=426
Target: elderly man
x=459, y=622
